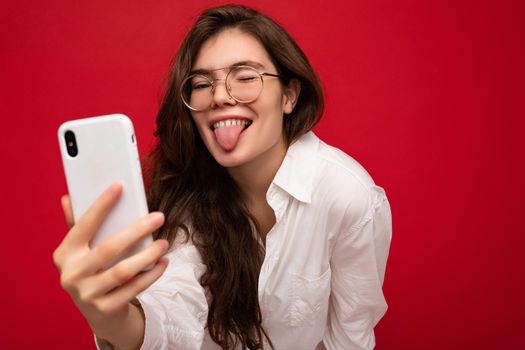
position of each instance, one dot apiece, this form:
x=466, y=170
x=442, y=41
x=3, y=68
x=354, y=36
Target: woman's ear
x=291, y=95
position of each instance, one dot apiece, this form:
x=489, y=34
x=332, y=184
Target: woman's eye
x=246, y=78
x=201, y=85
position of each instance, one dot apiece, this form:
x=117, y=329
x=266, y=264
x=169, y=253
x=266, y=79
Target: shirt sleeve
x=358, y=267
x=175, y=306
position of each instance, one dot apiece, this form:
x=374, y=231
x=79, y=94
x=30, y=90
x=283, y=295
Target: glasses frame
x=228, y=87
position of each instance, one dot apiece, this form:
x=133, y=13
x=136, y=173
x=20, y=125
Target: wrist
x=104, y=326
x=124, y=330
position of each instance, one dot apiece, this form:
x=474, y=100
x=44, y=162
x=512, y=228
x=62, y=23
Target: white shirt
x=320, y=284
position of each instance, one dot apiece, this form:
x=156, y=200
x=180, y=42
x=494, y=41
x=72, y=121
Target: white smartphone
x=97, y=152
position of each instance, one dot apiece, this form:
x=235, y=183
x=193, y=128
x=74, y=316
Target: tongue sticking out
x=228, y=136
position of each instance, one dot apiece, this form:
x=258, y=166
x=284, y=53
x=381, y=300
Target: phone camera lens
x=71, y=143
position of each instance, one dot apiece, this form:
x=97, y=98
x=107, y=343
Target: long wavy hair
x=200, y=199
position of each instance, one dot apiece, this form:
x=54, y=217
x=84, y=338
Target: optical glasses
x=244, y=84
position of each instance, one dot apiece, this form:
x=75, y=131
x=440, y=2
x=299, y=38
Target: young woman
x=274, y=239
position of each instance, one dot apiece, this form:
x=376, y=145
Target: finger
x=91, y=220
x=129, y=268
x=125, y=294
x=115, y=245
x=68, y=211
x=59, y=253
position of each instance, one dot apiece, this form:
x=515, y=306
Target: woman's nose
x=220, y=95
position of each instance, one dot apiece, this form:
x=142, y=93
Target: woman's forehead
x=229, y=47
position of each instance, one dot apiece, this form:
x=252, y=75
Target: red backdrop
x=427, y=95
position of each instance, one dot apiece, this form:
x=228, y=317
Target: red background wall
x=427, y=95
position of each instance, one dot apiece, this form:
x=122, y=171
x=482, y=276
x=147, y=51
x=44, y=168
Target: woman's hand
x=104, y=296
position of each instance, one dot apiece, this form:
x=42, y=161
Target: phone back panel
x=107, y=152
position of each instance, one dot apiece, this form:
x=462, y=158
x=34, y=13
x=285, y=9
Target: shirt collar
x=296, y=173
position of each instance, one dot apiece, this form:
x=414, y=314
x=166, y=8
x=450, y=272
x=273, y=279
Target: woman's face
x=236, y=145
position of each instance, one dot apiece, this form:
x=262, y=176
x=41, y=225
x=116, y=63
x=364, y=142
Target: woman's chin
x=228, y=160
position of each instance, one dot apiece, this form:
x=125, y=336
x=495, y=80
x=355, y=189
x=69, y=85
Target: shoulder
x=183, y=250
x=339, y=165
x=344, y=187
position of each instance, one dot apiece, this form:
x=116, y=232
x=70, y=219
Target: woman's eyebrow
x=236, y=64
x=248, y=63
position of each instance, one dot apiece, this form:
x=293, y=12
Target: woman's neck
x=254, y=178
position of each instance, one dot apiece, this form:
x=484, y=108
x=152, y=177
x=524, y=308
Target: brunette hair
x=198, y=196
